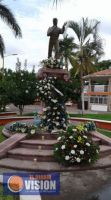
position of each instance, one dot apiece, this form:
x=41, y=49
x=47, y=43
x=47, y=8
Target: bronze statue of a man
x=54, y=32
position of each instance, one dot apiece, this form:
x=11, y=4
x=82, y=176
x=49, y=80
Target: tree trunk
x=82, y=91
x=21, y=108
x=66, y=63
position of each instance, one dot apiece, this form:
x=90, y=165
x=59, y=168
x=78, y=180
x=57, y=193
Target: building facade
x=97, y=90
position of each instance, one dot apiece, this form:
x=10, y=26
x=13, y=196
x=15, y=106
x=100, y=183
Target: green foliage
x=8, y=17
x=66, y=47
x=21, y=88
x=4, y=99
x=2, y=137
x=102, y=65
x=75, y=146
x=18, y=88
x=7, y=197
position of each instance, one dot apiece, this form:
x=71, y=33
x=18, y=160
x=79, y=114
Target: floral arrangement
x=53, y=63
x=75, y=146
x=29, y=129
x=90, y=126
x=54, y=115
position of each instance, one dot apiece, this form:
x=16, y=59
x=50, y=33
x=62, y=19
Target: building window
x=98, y=99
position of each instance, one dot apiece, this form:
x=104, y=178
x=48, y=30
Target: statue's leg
x=56, y=46
x=50, y=48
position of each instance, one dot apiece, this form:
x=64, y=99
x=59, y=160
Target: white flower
x=75, y=146
x=54, y=100
x=57, y=123
x=45, y=86
x=57, y=117
x=64, y=125
x=44, y=117
x=40, y=88
x=63, y=147
x=72, y=151
x=85, y=136
x=87, y=144
x=59, y=138
x=23, y=130
x=26, y=91
x=97, y=151
x=81, y=152
x=67, y=157
x=44, y=109
x=74, y=129
x=56, y=149
x=71, y=137
x=89, y=160
x=32, y=131
x=78, y=160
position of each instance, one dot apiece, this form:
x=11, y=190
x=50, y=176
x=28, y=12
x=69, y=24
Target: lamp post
x=14, y=54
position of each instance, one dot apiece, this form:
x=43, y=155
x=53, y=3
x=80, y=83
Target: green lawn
x=2, y=137
x=106, y=116
x=93, y=116
x=104, y=132
x=7, y=197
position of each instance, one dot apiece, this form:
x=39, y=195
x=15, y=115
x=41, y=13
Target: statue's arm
x=62, y=29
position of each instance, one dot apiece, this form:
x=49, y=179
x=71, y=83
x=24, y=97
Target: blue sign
x=31, y=183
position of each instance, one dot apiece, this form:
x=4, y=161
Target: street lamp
x=14, y=54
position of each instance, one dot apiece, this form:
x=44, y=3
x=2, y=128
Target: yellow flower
x=79, y=139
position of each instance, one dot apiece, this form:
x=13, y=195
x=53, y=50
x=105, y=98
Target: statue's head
x=55, y=21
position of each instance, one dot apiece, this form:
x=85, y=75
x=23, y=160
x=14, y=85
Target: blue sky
x=34, y=18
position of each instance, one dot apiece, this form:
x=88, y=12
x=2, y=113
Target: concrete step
x=38, y=144
x=29, y=165
x=96, y=140
x=46, y=135
x=105, y=150
x=31, y=154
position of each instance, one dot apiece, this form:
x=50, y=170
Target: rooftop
x=103, y=73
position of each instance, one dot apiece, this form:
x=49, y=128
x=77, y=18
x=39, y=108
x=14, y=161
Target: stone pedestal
x=59, y=73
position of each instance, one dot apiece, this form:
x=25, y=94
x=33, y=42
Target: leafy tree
x=102, y=65
x=88, y=48
x=4, y=99
x=8, y=17
x=66, y=47
x=21, y=88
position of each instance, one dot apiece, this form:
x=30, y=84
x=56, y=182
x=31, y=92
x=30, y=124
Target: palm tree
x=8, y=17
x=88, y=48
x=55, y=2
x=66, y=46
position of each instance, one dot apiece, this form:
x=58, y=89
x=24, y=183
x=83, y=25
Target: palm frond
x=2, y=47
x=8, y=17
x=76, y=28
x=55, y=2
